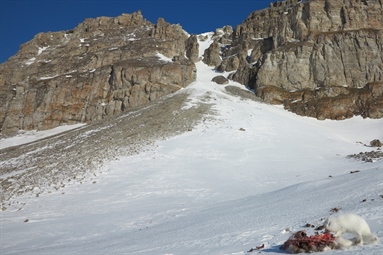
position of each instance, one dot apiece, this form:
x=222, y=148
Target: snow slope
x=250, y=174
x=24, y=137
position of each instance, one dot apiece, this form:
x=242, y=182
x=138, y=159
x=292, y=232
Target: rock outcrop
x=221, y=38
x=320, y=58
x=192, y=48
x=101, y=68
x=376, y=143
x=212, y=54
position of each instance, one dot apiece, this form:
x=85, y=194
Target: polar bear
x=350, y=223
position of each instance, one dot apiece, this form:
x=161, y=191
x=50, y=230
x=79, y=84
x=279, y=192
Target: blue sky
x=21, y=20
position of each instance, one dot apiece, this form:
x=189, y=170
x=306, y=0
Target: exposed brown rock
x=212, y=54
x=320, y=58
x=245, y=74
x=192, y=48
x=220, y=80
x=101, y=68
x=223, y=35
x=376, y=143
x=229, y=64
x=327, y=102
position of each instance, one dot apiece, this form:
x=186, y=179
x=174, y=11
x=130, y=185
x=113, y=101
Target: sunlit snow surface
x=24, y=137
x=249, y=175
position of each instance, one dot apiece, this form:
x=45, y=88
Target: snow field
x=250, y=174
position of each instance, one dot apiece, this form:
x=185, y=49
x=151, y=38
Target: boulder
x=220, y=79
x=376, y=143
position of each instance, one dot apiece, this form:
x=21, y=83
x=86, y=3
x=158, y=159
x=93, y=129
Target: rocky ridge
x=101, y=68
x=320, y=58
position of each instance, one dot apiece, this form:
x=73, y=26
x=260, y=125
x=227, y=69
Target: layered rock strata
x=101, y=68
x=320, y=58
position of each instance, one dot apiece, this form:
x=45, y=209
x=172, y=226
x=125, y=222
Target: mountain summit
x=319, y=58
x=101, y=68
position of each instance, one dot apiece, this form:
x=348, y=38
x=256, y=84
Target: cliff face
x=320, y=58
x=101, y=68
x=298, y=51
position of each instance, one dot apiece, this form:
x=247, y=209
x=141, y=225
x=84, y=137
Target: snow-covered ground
x=249, y=175
x=24, y=137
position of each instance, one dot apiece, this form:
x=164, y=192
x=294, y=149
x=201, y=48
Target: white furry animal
x=353, y=224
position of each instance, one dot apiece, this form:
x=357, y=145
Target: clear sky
x=21, y=20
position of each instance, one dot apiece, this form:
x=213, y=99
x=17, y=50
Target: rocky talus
x=76, y=156
x=320, y=58
x=101, y=68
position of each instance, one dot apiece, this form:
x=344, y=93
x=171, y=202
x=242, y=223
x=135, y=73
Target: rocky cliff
x=102, y=67
x=320, y=58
